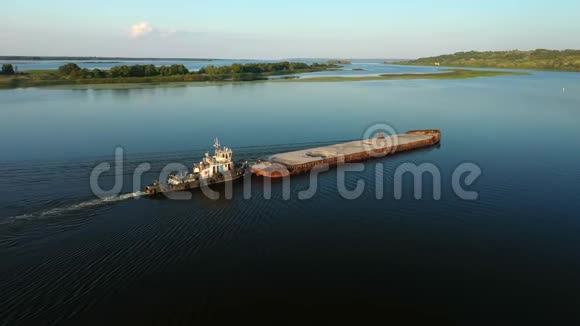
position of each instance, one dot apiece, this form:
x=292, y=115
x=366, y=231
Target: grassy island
x=566, y=60
x=447, y=74
x=72, y=74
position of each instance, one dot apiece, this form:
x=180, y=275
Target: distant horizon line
x=129, y=58
x=47, y=58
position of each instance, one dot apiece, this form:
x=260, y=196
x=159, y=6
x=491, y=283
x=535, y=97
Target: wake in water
x=83, y=205
x=248, y=153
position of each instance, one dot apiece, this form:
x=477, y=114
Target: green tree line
x=250, y=71
x=262, y=68
x=74, y=71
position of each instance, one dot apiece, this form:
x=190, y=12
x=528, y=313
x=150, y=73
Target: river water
x=511, y=255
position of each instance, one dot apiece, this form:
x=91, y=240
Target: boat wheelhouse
x=216, y=168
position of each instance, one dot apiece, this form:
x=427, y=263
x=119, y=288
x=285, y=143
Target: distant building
x=437, y=64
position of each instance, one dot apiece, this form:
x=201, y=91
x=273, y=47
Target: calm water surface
x=68, y=257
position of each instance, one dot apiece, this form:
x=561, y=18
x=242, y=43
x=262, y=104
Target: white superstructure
x=209, y=167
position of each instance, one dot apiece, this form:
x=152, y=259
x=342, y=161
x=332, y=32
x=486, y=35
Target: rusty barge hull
x=298, y=162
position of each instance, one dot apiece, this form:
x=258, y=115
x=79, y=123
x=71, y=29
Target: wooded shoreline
x=565, y=60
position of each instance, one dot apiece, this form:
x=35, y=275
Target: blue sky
x=289, y=29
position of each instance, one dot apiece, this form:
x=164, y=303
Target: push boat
x=215, y=169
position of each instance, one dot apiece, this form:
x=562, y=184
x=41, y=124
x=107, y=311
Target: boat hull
x=159, y=189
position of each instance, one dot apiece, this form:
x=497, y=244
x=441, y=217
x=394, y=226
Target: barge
x=291, y=163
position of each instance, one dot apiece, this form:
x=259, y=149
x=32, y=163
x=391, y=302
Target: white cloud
x=141, y=29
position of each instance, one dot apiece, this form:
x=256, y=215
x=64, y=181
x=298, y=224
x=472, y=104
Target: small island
x=339, y=62
x=566, y=60
x=72, y=74
x=445, y=74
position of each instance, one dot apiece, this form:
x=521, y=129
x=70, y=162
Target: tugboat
x=215, y=169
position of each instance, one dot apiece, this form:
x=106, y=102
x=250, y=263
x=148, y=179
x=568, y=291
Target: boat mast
x=216, y=144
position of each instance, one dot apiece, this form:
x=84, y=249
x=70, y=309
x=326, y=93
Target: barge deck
x=285, y=164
